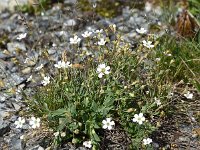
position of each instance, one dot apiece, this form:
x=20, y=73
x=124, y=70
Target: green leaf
x=94, y=106
x=108, y=101
x=95, y=136
x=59, y=112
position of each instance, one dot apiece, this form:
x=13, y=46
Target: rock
x=27, y=70
x=3, y=97
x=81, y=148
x=15, y=143
x=2, y=65
x=14, y=69
x=52, y=51
x=4, y=15
x=123, y=28
x=3, y=56
x=70, y=2
x=12, y=47
x=13, y=80
x=126, y=12
x=16, y=106
x=10, y=4
x=4, y=126
x=70, y=22
x=136, y=20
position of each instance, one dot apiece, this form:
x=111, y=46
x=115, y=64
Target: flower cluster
x=148, y=44
x=33, y=122
x=103, y=69
x=87, y=34
x=147, y=141
x=141, y=31
x=62, y=64
x=74, y=40
x=62, y=134
x=188, y=95
x=22, y=36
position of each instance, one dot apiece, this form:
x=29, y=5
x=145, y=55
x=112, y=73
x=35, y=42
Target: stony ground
x=49, y=33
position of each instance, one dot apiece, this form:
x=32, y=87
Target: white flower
x=148, y=44
x=148, y=6
x=26, y=60
x=157, y=101
x=138, y=118
x=147, y=141
x=21, y=137
x=74, y=40
x=87, y=144
x=87, y=34
x=22, y=36
x=108, y=124
x=62, y=64
x=56, y=134
x=29, y=79
x=101, y=42
x=99, y=31
x=46, y=80
x=94, y=5
x=54, y=45
x=61, y=33
x=169, y=54
x=102, y=70
x=141, y=31
x=39, y=67
x=188, y=95
x=158, y=59
x=34, y=122
x=63, y=134
x=19, y=123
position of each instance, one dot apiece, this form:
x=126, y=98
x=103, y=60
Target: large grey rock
x=70, y=1
x=12, y=47
x=3, y=97
x=15, y=143
x=70, y=22
x=13, y=80
x=4, y=125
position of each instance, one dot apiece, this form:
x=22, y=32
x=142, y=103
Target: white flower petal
x=104, y=126
x=110, y=127
x=107, y=72
x=100, y=75
x=108, y=119
x=112, y=123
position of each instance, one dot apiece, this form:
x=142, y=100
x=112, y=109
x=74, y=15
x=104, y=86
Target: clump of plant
x=194, y=6
x=102, y=8
x=35, y=7
x=112, y=85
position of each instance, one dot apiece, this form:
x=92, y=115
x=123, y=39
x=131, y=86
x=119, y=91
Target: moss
x=40, y=7
x=3, y=41
x=104, y=8
x=109, y=8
